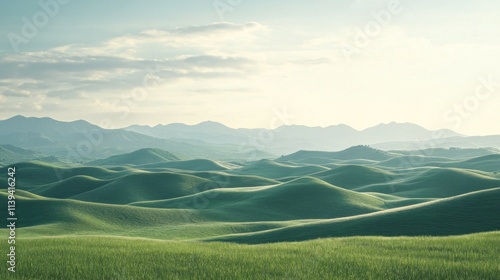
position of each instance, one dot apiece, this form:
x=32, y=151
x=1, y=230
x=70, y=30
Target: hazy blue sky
x=358, y=62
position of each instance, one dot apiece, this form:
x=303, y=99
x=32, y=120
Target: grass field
x=99, y=257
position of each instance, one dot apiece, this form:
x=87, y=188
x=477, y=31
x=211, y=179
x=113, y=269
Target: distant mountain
x=46, y=127
x=211, y=132
x=80, y=141
x=288, y=139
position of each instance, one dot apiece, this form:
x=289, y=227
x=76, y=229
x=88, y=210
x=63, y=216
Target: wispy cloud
x=80, y=71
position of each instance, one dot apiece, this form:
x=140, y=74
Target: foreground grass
x=464, y=257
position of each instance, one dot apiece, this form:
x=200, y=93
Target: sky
x=253, y=63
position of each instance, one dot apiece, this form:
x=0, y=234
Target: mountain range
x=81, y=141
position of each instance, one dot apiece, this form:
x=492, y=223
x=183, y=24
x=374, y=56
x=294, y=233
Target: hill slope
x=437, y=183
x=191, y=165
x=10, y=154
x=352, y=176
x=304, y=198
x=142, y=156
x=353, y=153
x=145, y=187
x=274, y=170
x=470, y=213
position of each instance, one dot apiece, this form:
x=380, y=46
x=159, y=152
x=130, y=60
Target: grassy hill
x=437, y=183
x=470, y=213
x=34, y=173
x=191, y=165
x=304, y=198
x=452, y=153
x=144, y=187
x=274, y=170
x=226, y=180
x=76, y=217
x=10, y=154
x=352, y=176
x=489, y=163
x=353, y=153
x=139, y=157
x=410, y=161
x=62, y=217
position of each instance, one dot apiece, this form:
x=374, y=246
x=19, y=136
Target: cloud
x=99, y=75
x=203, y=38
x=218, y=27
x=7, y=92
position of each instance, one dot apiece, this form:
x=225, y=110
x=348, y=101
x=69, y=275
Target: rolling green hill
x=352, y=176
x=139, y=157
x=489, y=163
x=304, y=198
x=10, y=154
x=145, y=186
x=353, y=153
x=70, y=187
x=200, y=203
x=413, y=161
x=452, y=153
x=76, y=217
x=190, y=165
x=274, y=170
x=34, y=173
x=437, y=183
x=469, y=213
x=225, y=180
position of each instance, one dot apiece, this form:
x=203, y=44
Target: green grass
x=100, y=257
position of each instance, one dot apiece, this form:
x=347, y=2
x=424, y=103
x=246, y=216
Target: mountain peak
x=212, y=124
